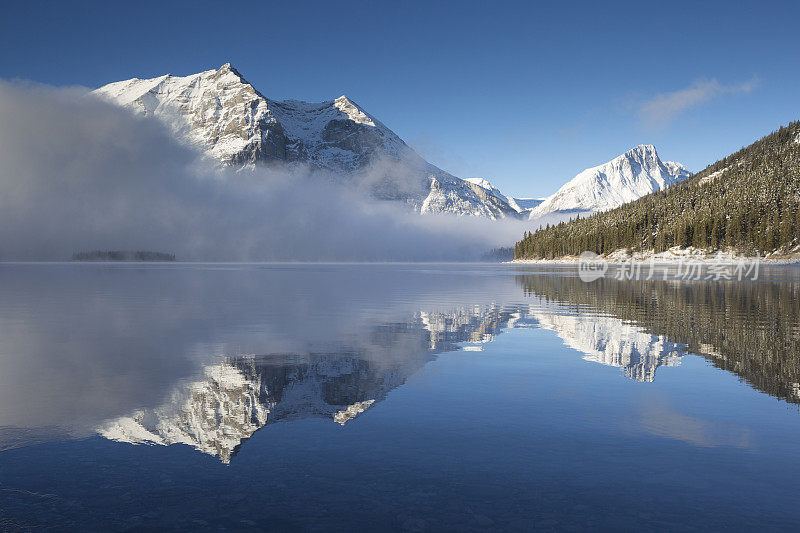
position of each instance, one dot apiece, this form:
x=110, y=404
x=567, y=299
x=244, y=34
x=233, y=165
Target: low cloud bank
x=79, y=174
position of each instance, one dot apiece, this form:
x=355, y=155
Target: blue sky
x=525, y=94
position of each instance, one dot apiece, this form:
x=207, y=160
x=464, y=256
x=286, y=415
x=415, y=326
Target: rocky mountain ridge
x=221, y=114
x=225, y=117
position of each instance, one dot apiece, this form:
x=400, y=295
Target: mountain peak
x=481, y=182
x=226, y=118
x=353, y=111
x=642, y=149
x=637, y=172
x=227, y=67
x=344, y=101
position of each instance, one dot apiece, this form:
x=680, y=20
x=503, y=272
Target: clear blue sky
x=524, y=94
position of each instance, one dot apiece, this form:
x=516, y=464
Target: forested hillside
x=748, y=201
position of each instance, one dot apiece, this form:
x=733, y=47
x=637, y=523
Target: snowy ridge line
x=226, y=118
x=626, y=178
x=222, y=115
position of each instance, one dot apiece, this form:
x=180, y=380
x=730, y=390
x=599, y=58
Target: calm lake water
x=395, y=397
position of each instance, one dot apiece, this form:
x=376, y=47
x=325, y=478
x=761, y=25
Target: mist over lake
x=399, y=266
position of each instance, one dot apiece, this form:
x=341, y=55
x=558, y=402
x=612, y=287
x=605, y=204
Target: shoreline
x=673, y=256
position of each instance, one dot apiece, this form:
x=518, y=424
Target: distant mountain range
x=637, y=172
x=220, y=113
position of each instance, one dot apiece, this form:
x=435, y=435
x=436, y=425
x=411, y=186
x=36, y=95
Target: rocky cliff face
x=221, y=114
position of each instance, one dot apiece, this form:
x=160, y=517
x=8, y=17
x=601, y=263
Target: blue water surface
x=138, y=397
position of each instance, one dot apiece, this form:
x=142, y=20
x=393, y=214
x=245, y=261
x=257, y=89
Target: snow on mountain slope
x=217, y=111
x=481, y=182
x=494, y=191
x=635, y=173
x=221, y=114
x=224, y=116
x=522, y=206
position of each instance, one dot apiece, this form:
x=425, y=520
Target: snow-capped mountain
x=634, y=174
x=223, y=115
x=630, y=176
x=521, y=205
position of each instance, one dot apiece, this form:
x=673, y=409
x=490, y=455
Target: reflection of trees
x=750, y=329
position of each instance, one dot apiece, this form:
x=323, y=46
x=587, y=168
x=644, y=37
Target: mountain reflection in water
x=749, y=329
x=242, y=394
x=350, y=338
x=394, y=397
